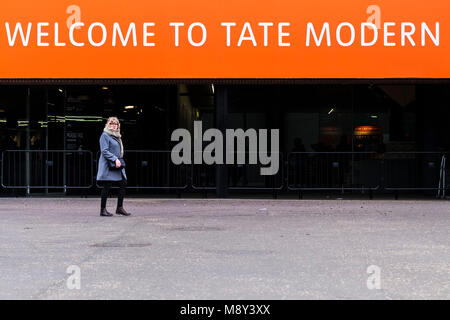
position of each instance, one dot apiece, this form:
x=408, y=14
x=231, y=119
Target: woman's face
x=113, y=124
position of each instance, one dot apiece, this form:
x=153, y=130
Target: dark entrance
x=332, y=136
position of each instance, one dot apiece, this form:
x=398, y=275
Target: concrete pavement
x=225, y=249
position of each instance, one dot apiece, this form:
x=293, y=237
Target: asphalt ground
x=60, y=248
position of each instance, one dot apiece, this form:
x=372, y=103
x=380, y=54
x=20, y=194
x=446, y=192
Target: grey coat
x=109, y=151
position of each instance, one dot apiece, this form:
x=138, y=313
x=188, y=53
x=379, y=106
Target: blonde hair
x=111, y=119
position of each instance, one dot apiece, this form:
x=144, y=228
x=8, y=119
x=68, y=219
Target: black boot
x=121, y=211
x=105, y=213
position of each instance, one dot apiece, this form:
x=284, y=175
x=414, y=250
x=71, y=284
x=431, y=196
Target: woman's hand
x=118, y=164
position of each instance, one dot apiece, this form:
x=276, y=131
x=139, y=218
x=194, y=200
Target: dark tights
x=107, y=187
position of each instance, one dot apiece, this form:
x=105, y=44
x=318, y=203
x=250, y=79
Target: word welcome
x=213, y=152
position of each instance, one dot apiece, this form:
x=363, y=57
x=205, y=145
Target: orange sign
x=229, y=39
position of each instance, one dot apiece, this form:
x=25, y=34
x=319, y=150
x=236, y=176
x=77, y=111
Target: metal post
x=65, y=140
x=443, y=173
x=27, y=143
x=221, y=112
x=353, y=126
x=46, y=140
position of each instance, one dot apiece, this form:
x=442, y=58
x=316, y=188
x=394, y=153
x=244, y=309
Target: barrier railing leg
x=300, y=195
x=396, y=194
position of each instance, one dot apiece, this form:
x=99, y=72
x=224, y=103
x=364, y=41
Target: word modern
x=213, y=152
x=404, y=33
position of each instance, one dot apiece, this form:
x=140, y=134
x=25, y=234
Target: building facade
x=358, y=92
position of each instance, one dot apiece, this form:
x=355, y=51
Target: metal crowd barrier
x=203, y=177
x=248, y=177
x=412, y=170
x=240, y=176
x=47, y=169
x=333, y=171
x=153, y=169
x=442, y=178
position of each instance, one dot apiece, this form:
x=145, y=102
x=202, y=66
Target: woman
x=111, y=148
